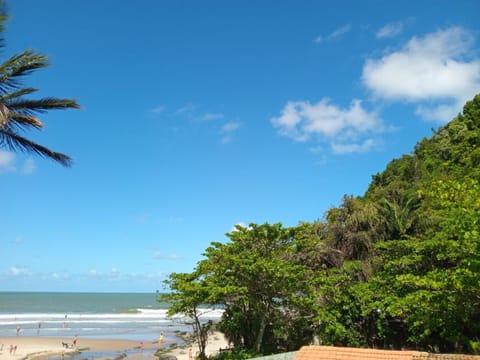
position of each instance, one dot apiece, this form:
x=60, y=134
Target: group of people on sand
x=68, y=346
x=12, y=350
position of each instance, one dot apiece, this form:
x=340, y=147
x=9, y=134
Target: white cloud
x=432, y=68
x=159, y=109
x=29, y=166
x=340, y=32
x=7, y=161
x=18, y=271
x=238, y=225
x=390, y=30
x=335, y=35
x=230, y=127
x=441, y=112
x=158, y=255
x=187, y=110
x=212, y=116
x=227, y=131
x=301, y=121
x=363, y=147
x=56, y=276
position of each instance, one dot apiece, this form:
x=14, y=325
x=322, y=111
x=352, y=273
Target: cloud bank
x=345, y=129
x=436, y=72
x=8, y=164
x=433, y=71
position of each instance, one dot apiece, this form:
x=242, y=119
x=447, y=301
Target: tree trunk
x=201, y=334
x=261, y=331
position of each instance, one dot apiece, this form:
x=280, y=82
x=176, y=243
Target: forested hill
x=453, y=152
x=398, y=267
x=414, y=238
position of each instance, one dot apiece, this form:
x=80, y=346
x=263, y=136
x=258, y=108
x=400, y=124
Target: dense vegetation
x=396, y=268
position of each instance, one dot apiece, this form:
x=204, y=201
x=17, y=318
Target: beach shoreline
x=42, y=347
x=39, y=347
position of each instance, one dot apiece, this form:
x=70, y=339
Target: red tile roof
x=316, y=352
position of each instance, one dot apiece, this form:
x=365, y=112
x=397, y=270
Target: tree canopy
x=396, y=268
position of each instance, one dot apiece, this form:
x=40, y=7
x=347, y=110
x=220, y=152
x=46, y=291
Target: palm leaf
x=20, y=65
x=19, y=114
x=16, y=94
x=18, y=143
x=17, y=121
x=41, y=105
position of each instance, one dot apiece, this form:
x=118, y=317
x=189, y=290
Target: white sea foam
x=152, y=321
x=103, y=315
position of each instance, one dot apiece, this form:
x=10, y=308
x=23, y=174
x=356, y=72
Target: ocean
x=132, y=316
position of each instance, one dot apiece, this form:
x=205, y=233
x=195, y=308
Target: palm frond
x=16, y=142
x=20, y=65
x=42, y=105
x=16, y=94
x=17, y=113
x=23, y=121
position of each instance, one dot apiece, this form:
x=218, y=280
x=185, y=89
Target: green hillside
x=396, y=268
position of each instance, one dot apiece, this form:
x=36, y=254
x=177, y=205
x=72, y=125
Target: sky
x=201, y=115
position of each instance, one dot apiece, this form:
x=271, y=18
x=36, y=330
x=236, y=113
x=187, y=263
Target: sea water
x=132, y=316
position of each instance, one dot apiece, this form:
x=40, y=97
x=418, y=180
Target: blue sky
x=199, y=115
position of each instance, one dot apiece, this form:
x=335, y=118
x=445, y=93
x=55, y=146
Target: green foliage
x=433, y=280
x=188, y=292
x=268, y=301
x=339, y=313
x=236, y=354
x=398, y=267
x=265, y=292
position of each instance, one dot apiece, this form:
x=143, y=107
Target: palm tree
x=17, y=113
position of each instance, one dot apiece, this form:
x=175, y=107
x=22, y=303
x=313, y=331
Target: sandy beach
x=38, y=347
x=45, y=347
x=216, y=341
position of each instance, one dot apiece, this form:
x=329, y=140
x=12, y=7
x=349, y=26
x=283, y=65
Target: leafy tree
x=187, y=293
x=353, y=228
x=339, y=315
x=265, y=293
x=418, y=295
x=18, y=113
x=433, y=282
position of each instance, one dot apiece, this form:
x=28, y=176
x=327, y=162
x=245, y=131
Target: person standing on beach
x=18, y=330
